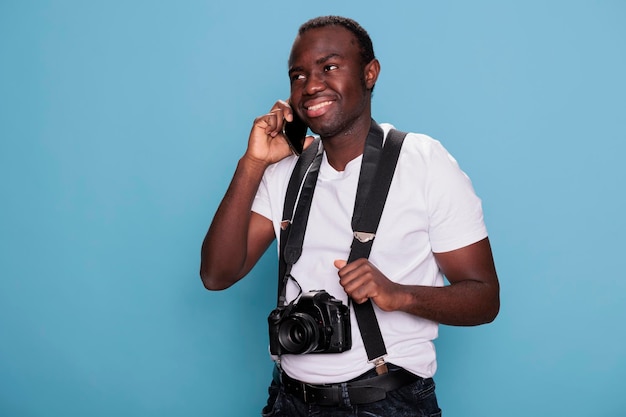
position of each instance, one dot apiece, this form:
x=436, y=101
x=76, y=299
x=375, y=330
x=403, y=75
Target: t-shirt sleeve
x=269, y=198
x=261, y=203
x=456, y=215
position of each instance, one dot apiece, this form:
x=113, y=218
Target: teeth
x=320, y=105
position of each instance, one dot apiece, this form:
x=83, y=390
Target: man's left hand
x=362, y=280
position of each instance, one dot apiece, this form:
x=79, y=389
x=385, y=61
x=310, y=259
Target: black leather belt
x=362, y=390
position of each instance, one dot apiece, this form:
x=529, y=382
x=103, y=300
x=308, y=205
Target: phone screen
x=295, y=132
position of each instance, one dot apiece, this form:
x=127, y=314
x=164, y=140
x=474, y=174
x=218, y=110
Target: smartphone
x=295, y=132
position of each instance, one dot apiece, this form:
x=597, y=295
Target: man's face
x=329, y=85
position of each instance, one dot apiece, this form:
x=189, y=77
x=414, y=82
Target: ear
x=371, y=71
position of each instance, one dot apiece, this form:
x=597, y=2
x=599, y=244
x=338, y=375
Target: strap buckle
x=364, y=237
x=380, y=365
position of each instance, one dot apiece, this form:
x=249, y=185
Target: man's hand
x=266, y=143
x=362, y=280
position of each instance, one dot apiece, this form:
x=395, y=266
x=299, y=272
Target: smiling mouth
x=319, y=106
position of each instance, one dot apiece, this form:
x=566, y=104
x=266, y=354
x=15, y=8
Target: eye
x=296, y=77
x=330, y=67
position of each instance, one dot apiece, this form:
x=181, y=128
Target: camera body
x=317, y=323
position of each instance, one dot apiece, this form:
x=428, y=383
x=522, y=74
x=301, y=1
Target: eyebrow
x=327, y=58
x=317, y=62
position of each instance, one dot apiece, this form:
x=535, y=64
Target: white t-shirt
x=431, y=207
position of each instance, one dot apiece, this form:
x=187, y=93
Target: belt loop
x=345, y=395
x=277, y=373
x=304, y=397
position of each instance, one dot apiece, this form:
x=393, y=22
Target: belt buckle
x=330, y=394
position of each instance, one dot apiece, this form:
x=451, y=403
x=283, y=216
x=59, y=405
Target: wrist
x=403, y=298
x=253, y=163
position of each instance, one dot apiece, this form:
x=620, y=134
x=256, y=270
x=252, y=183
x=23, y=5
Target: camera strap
x=299, y=190
x=377, y=169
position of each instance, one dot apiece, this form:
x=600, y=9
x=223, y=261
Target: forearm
x=464, y=303
x=225, y=247
x=472, y=297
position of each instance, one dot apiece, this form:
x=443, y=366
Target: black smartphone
x=295, y=132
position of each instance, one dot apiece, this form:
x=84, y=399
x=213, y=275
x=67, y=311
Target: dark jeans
x=417, y=399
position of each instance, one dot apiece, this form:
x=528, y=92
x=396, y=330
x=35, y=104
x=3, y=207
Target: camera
x=317, y=323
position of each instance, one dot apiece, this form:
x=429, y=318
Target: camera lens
x=298, y=333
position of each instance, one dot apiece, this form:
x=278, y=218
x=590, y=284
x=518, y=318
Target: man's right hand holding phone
x=267, y=142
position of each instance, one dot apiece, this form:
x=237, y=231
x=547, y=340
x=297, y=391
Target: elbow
x=492, y=310
x=214, y=280
x=210, y=283
x=211, y=280
x=214, y=283
x=484, y=311
x=491, y=316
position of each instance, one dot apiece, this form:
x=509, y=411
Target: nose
x=314, y=84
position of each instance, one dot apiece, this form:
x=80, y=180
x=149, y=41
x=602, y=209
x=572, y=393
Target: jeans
x=417, y=399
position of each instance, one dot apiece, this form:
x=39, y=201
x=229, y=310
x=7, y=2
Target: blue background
x=121, y=123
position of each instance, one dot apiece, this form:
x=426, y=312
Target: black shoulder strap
x=368, y=210
x=300, y=190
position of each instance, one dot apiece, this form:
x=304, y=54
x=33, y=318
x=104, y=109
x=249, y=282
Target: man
x=432, y=226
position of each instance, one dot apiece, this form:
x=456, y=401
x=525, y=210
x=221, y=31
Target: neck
x=343, y=148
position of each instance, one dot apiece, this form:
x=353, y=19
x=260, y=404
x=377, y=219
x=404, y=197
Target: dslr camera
x=317, y=323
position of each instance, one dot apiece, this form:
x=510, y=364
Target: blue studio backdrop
x=121, y=123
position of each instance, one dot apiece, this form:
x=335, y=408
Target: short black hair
x=363, y=38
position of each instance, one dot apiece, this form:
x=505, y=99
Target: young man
x=432, y=226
